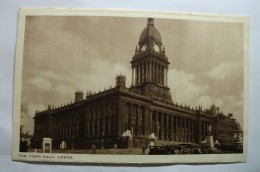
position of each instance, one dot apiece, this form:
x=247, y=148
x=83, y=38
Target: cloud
x=67, y=57
x=27, y=114
x=52, y=75
x=40, y=83
x=102, y=76
x=184, y=88
x=63, y=89
x=223, y=70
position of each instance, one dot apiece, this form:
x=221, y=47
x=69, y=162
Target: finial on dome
x=150, y=21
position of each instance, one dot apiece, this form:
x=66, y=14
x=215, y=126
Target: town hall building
x=145, y=109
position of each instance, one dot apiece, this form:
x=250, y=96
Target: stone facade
x=145, y=108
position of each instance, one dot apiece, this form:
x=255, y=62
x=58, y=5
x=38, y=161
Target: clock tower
x=150, y=66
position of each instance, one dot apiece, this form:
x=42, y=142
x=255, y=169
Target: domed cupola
x=214, y=110
x=150, y=66
x=150, y=37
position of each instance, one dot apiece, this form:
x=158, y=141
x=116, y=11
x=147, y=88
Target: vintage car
x=164, y=150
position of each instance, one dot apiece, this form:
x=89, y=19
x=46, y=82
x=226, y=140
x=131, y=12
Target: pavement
x=130, y=151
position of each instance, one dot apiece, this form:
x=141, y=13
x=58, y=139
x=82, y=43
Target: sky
x=64, y=54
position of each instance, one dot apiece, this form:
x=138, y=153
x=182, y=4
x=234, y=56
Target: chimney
x=78, y=96
x=120, y=81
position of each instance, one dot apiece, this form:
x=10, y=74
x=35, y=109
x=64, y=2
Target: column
x=145, y=121
x=162, y=127
x=156, y=72
x=200, y=130
x=118, y=117
x=146, y=71
x=132, y=75
x=171, y=127
x=167, y=131
x=136, y=76
x=203, y=130
x=156, y=124
x=149, y=116
x=103, y=116
x=157, y=76
x=163, y=75
x=188, y=130
x=141, y=73
x=181, y=129
x=192, y=131
x=176, y=129
x=166, y=76
x=143, y=66
x=150, y=71
x=185, y=129
x=153, y=72
x=161, y=71
x=86, y=124
x=188, y=135
x=111, y=129
x=130, y=117
x=92, y=121
x=137, y=120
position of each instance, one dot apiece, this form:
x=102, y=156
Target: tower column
x=146, y=71
x=149, y=71
x=154, y=71
x=161, y=71
x=166, y=76
x=136, y=75
x=163, y=75
x=132, y=75
x=157, y=72
x=141, y=73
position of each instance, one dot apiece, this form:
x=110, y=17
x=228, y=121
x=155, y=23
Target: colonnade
x=172, y=127
x=100, y=121
x=103, y=120
x=40, y=128
x=149, y=71
x=66, y=127
x=134, y=119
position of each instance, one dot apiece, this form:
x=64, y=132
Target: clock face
x=156, y=48
x=143, y=48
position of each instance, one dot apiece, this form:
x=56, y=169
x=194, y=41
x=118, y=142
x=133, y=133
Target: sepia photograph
x=114, y=86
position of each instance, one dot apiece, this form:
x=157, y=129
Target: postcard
x=118, y=86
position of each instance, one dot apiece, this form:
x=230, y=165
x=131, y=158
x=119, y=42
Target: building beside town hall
x=144, y=109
